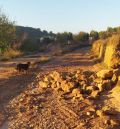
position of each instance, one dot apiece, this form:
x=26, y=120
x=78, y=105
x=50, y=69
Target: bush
x=4, y=59
x=7, y=32
x=10, y=53
x=43, y=59
x=82, y=37
x=29, y=45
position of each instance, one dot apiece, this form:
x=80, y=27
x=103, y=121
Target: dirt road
x=25, y=106
x=12, y=84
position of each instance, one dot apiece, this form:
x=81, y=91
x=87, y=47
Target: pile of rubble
x=81, y=84
x=84, y=88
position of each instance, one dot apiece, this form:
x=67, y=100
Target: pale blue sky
x=64, y=15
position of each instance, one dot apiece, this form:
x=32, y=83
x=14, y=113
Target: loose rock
x=105, y=74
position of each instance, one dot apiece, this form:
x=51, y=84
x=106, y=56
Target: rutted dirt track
x=23, y=105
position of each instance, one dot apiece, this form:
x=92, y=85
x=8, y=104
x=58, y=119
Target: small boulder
x=92, y=77
x=82, y=83
x=88, y=113
x=91, y=112
x=98, y=80
x=99, y=113
x=67, y=86
x=56, y=76
x=94, y=94
x=43, y=84
x=76, y=92
x=48, y=79
x=90, y=88
x=82, y=77
x=100, y=86
x=105, y=74
x=105, y=85
x=114, y=78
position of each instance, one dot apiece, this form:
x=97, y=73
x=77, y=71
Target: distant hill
x=29, y=38
x=33, y=32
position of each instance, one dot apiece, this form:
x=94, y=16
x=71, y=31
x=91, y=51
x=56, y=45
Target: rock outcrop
x=108, y=51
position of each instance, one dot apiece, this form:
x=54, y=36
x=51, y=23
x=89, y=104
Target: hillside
x=33, y=32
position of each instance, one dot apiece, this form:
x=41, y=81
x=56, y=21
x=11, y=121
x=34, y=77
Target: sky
x=64, y=15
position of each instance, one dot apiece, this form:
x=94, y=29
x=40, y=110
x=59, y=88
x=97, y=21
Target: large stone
x=99, y=113
x=91, y=88
x=82, y=83
x=53, y=85
x=94, y=94
x=92, y=77
x=114, y=78
x=48, y=79
x=100, y=86
x=105, y=74
x=82, y=77
x=56, y=76
x=43, y=84
x=76, y=92
x=56, y=85
x=67, y=86
x=98, y=80
x=105, y=85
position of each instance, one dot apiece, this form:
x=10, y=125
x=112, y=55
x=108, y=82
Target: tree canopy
x=7, y=32
x=94, y=34
x=82, y=36
x=64, y=37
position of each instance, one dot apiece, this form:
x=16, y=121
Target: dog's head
x=29, y=63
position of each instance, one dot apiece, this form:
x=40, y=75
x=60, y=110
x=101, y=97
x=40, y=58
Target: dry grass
x=10, y=53
x=43, y=59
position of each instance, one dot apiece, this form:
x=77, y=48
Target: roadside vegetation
x=16, y=41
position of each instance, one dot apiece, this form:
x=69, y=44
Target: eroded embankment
x=108, y=51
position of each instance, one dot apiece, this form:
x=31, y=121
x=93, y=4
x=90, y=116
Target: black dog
x=23, y=67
